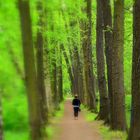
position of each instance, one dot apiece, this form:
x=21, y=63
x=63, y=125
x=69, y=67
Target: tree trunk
x=88, y=63
x=104, y=102
x=30, y=72
x=75, y=64
x=60, y=76
x=107, y=18
x=134, y=133
x=119, y=120
x=40, y=63
x=54, y=79
x=81, y=80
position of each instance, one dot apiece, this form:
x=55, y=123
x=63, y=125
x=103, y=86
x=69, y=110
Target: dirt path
x=70, y=129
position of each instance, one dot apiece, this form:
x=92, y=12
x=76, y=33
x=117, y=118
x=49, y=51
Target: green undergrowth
x=51, y=129
x=15, y=118
x=107, y=134
x=13, y=135
x=105, y=131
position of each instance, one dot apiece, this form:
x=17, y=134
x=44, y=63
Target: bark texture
x=107, y=18
x=104, y=102
x=134, y=133
x=119, y=120
x=54, y=79
x=40, y=63
x=88, y=63
x=30, y=72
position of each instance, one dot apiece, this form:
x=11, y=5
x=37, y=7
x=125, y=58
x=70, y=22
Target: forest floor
x=70, y=129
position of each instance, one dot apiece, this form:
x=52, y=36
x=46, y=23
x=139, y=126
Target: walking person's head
x=76, y=96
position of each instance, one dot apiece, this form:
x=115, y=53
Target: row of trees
x=64, y=36
x=80, y=65
x=114, y=42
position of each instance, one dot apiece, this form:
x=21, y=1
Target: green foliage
x=51, y=129
x=112, y=135
x=15, y=114
x=14, y=135
x=106, y=133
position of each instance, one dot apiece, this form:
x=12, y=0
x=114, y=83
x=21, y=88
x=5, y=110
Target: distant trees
x=60, y=76
x=134, y=133
x=70, y=39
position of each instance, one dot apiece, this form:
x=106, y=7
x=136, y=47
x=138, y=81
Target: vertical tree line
x=63, y=40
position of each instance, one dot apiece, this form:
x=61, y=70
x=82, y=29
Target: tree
x=87, y=53
x=107, y=21
x=30, y=71
x=119, y=120
x=104, y=102
x=54, y=78
x=40, y=62
x=134, y=133
x=69, y=69
x=60, y=76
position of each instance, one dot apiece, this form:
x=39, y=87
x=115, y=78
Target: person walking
x=76, y=106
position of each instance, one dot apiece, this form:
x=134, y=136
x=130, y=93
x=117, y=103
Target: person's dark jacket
x=76, y=102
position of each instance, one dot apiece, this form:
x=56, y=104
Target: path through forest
x=70, y=129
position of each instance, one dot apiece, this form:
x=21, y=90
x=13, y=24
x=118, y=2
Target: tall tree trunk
x=30, y=72
x=75, y=64
x=119, y=120
x=107, y=18
x=81, y=80
x=60, y=76
x=54, y=79
x=78, y=74
x=88, y=63
x=40, y=63
x=104, y=103
x=47, y=77
x=134, y=133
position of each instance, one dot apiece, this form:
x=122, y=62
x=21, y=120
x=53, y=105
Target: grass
x=16, y=135
x=16, y=123
x=16, y=119
x=107, y=134
x=51, y=129
x=105, y=131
